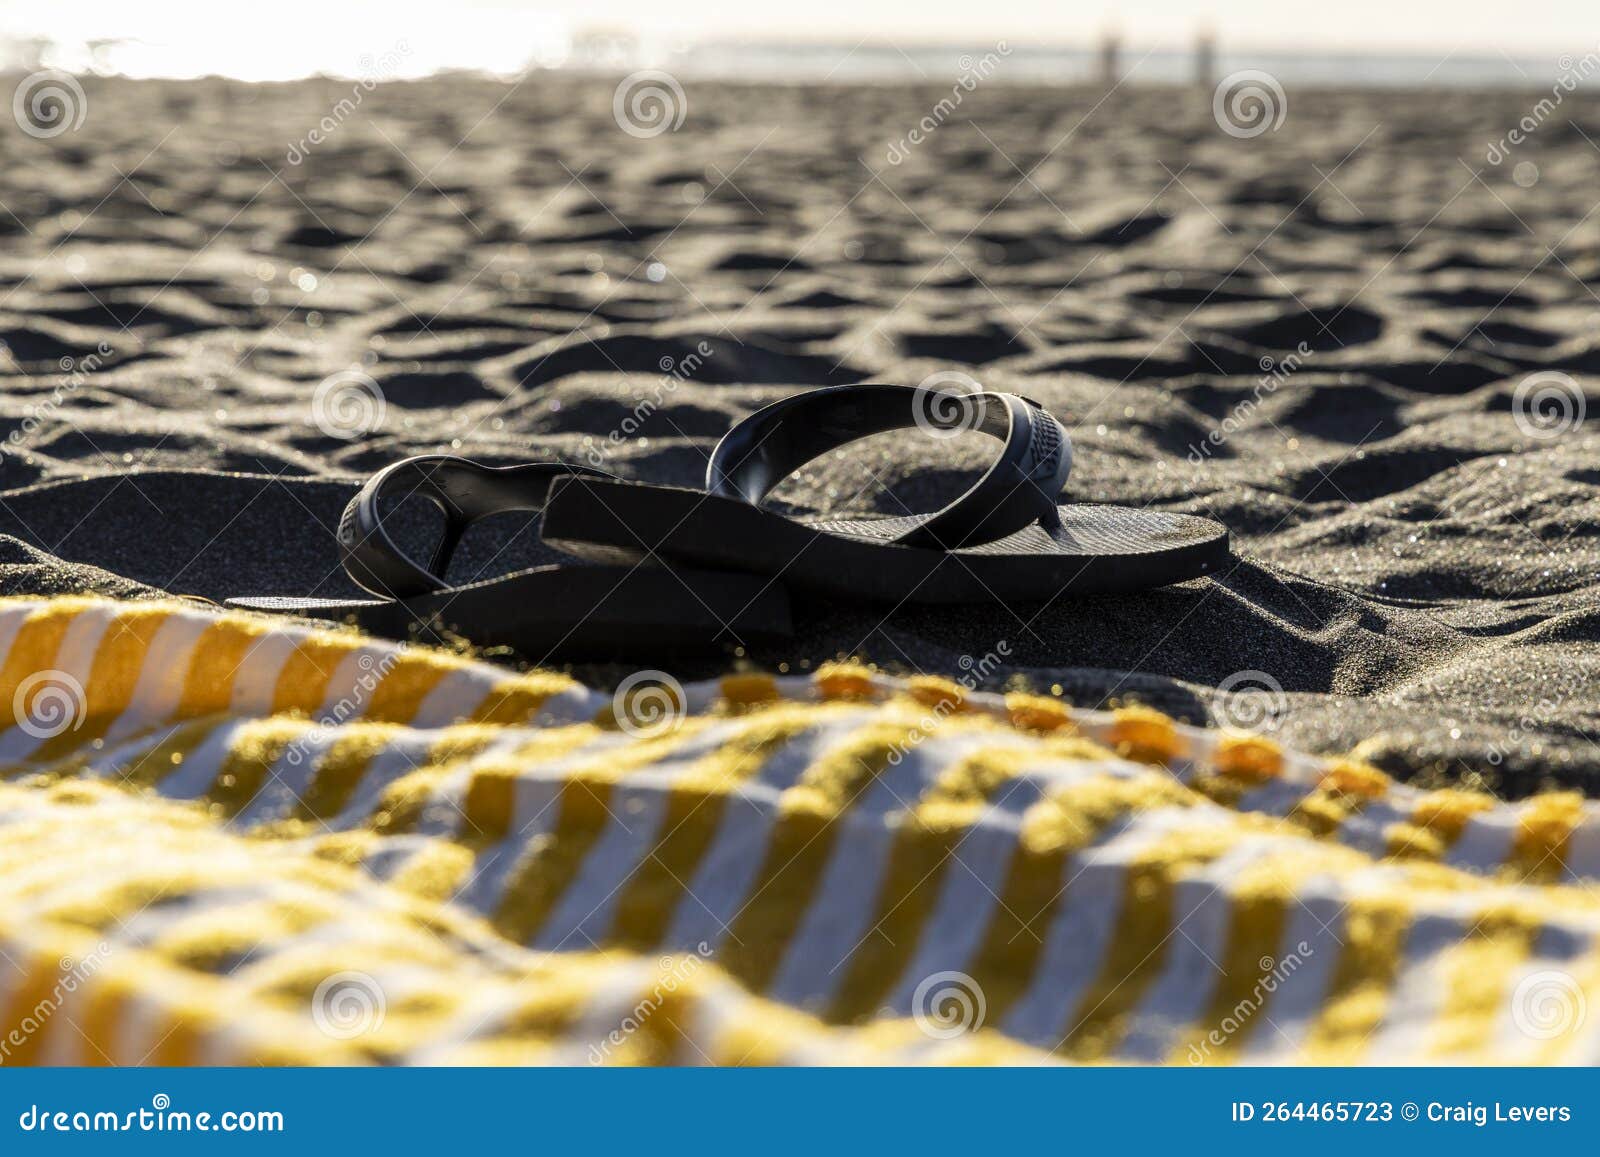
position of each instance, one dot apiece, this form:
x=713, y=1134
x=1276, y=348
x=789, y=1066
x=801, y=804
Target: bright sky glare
x=294, y=37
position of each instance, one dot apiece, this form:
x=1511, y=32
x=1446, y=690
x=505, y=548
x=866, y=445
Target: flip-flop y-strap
x=1004, y=539
x=567, y=612
x=1018, y=489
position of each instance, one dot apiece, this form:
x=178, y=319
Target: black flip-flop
x=579, y=611
x=1004, y=539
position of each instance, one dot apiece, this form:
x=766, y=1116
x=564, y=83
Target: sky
x=299, y=36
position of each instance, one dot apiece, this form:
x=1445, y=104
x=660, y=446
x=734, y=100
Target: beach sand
x=1315, y=335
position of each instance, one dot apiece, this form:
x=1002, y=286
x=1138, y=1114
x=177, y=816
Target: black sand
x=1417, y=569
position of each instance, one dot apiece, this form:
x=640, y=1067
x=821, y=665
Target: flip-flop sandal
x=1004, y=539
x=579, y=611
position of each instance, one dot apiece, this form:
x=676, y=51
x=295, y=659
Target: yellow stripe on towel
x=245, y=829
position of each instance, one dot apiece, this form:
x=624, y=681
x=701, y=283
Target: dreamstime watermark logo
x=375, y=70
x=948, y=1004
x=160, y=1117
x=674, y=372
x=49, y=103
x=348, y=405
x=350, y=705
x=1572, y=72
x=1249, y=103
x=944, y=404
x=349, y=1004
x=1273, y=974
x=1548, y=1004
x=76, y=371
x=974, y=672
x=672, y=972
x=1544, y=712
x=648, y=703
x=973, y=73
x=649, y=103
x=48, y=703
x=1548, y=404
x=1249, y=701
x=73, y=973
x=1274, y=372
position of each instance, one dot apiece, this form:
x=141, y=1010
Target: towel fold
x=233, y=840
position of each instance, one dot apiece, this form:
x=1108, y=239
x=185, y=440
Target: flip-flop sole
x=1095, y=550
x=575, y=612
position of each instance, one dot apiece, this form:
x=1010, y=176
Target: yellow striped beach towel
x=228, y=839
